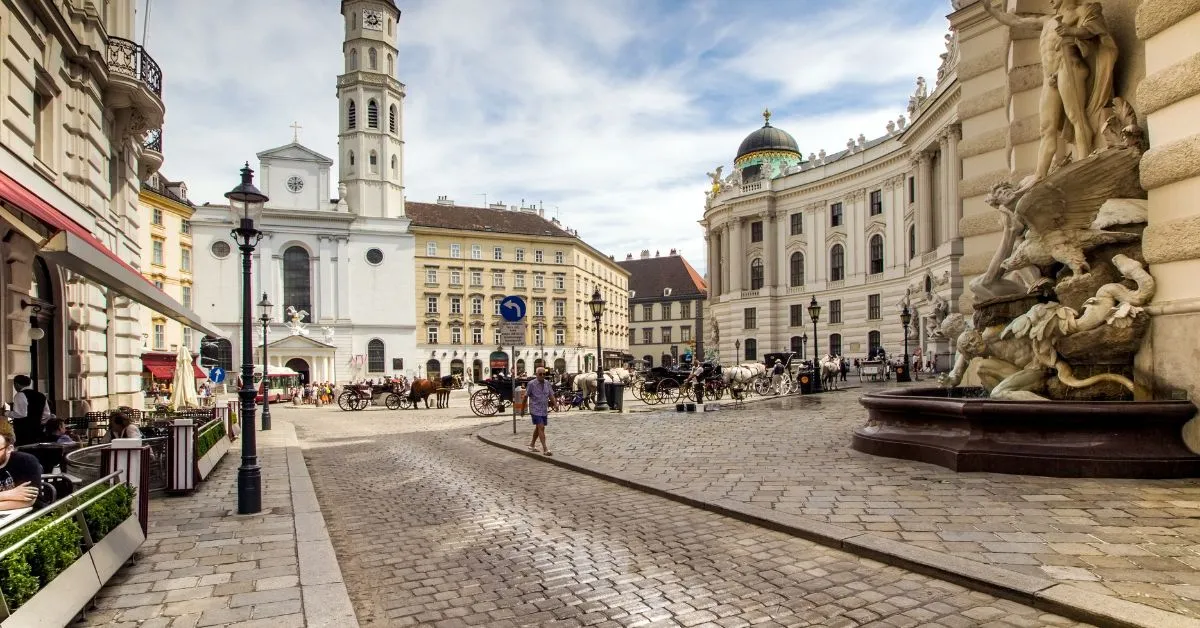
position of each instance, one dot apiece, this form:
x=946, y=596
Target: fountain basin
x=962, y=430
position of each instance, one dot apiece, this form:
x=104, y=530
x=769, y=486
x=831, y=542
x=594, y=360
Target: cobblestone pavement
x=432, y=527
x=1136, y=539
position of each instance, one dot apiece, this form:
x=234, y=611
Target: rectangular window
x=185, y=227
x=797, y=224
x=519, y=280
x=876, y=202
x=537, y=256
x=476, y=305
x=685, y=310
x=666, y=311
x=648, y=336
x=873, y=307
x=685, y=333
x=560, y=308
x=431, y=305
x=496, y=336
x=560, y=337
x=160, y=336
x=750, y=318
x=187, y=297
x=431, y=335
x=666, y=334
x=431, y=249
x=187, y=337
x=456, y=335
x=539, y=307
x=157, y=217
x=558, y=257
x=476, y=335
x=431, y=275
x=455, y=251
x=520, y=255
x=156, y=247
x=756, y=231
x=497, y=279
x=497, y=252
x=43, y=123
x=560, y=282
x=496, y=306
x=539, y=280
x=835, y=215
x=159, y=285
x=796, y=315
x=648, y=312
x=456, y=305
x=476, y=278
x=456, y=277
x=835, y=312
x=476, y=251
x=185, y=259
x=912, y=189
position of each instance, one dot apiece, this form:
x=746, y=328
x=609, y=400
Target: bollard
x=691, y=407
x=132, y=459
x=181, y=456
x=679, y=407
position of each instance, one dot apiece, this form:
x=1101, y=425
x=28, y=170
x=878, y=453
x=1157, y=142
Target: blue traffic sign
x=512, y=308
x=216, y=374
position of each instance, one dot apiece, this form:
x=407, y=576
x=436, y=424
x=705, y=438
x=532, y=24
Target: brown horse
x=421, y=389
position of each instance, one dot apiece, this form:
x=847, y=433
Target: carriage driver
x=777, y=376
x=697, y=380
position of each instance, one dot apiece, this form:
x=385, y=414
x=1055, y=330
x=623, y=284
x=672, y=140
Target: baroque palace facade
x=863, y=231
x=469, y=258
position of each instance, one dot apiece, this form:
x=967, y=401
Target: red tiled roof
x=649, y=277
x=482, y=219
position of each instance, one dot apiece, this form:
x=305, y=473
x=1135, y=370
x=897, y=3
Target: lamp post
x=264, y=317
x=804, y=345
x=737, y=350
x=905, y=319
x=597, y=305
x=814, y=312
x=246, y=203
x=541, y=327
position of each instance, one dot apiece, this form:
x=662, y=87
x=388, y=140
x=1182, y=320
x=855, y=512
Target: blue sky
x=609, y=112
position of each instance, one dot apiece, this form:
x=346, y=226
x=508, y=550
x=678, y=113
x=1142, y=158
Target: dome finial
x=766, y=117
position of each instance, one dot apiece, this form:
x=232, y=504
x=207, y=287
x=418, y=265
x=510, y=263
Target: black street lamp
x=814, y=312
x=541, y=327
x=905, y=319
x=264, y=316
x=737, y=350
x=246, y=203
x=804, y=345
x=597, y=305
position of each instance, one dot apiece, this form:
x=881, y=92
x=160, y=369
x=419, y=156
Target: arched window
x=373, y=59
x=353, y=58
x=798, y=345
x=351, y=116
x=351, y=156
x=912, y=242
x=837, y=263
x=649, y=360
x=297, y=281
x=876, y=260
x=433, y=369
x=756, y=274
x=797, y=268
x=928, y=283
x=375, y=361
x=372, y=114
x=392, y=118
x=395, y=167
x=873, y=343
x=835, y=344
x=751, y=348
x=373, y=162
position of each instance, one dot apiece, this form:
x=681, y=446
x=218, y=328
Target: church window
x=392, y=118
x=297, y=281
x=372, y=114
x=353, y=58
x=351, y=116
x=391, y=63
x=395, y=167
x=373, y=161
x=477, y=305
x=374, y=256
x=375, y=360
x=389, y=30
x=476, y=251
x=220, y=249
x=373, y=59
x=351, y=155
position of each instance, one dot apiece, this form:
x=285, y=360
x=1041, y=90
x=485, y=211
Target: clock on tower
x=372, y=20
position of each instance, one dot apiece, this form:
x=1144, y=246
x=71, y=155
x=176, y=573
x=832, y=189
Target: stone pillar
x=326, y=307
x=343, y=278
x=925, y=215
x=953, y=175
x=713, y=240
x=724, y=255
x=736, y=263
x=783, y=231
x=944, y=211
x=771, y=248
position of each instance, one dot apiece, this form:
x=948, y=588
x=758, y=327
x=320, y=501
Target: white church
x=339, y=272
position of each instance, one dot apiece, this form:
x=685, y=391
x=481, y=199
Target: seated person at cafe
x=20, y=473
x=121, y=426
x=57, y=432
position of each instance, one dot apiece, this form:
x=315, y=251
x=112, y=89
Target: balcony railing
x=154, y=140
x=130, y=59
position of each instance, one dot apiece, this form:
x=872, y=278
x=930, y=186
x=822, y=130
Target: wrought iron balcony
x=154, y=140
x=130, y=59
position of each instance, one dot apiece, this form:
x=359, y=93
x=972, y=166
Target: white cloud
x=610, y=111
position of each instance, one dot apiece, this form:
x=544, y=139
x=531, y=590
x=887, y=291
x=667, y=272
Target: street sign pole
x=513, y=373
x=512, y=309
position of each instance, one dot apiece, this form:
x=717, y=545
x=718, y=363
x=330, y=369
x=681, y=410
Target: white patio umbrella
x=183, y=389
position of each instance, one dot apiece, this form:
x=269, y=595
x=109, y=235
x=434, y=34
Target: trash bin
x=805, y=377
x=614, y=394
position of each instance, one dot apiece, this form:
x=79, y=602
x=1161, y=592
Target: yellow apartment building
x=167, y=260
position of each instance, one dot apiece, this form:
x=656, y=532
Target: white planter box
x=209, y=460
x=57, y=604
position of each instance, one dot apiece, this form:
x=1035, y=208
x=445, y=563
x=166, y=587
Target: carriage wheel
x=717, y=391
x=762, y=386
x=650, y=395
x=361, y=403
x=638, y=387
x=394, y=402
x=346, y=400
x=668, y=391
x=485, y=402
x=689, y=392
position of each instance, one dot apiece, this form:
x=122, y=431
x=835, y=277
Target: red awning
x=73, y=246
x=162, y=366
x=158, y=371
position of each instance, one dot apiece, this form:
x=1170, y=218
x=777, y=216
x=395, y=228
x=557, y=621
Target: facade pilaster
x=267, y=267
x=953, y=175
x=343, y=278
x=327, y=307
x=925, y=216
x=771, y=257
x=944, y=213
x=736, y=255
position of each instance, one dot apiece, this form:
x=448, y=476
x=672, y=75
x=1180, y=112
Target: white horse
x=742, y=376
x=586, y=382
x=619, y=374
x=831, y=368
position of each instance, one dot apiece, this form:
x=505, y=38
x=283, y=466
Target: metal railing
x=86, y=463
x=127, y=58
x=154, y=140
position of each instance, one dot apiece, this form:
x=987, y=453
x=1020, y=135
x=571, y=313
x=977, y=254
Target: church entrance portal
x=300, y=366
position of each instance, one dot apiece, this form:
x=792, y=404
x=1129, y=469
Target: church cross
x=296, y=132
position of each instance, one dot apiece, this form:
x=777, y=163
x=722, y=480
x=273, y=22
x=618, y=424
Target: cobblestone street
x=433, y=527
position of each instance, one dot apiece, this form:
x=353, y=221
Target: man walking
x=539, y=394
x=29, y=411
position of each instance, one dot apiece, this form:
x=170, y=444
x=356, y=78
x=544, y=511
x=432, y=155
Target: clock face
x=373, y=20
x=295, y=184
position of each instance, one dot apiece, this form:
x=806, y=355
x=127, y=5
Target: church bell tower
x=371, y=110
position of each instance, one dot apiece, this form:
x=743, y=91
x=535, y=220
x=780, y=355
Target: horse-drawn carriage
x=764, y=383
x=710, y=379
x=873, y=370
x=660, y=384
x=394, y=395
x=493, y=394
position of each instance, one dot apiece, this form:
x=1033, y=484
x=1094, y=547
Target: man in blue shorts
x=539, y=394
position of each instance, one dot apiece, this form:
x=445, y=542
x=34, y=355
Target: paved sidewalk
x=1131, y=547
x=205, y=565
